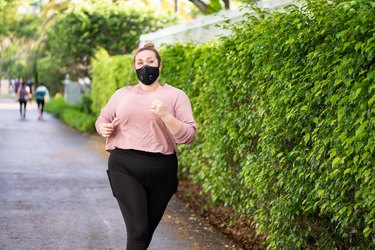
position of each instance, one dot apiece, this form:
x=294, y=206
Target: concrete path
x=54, y=193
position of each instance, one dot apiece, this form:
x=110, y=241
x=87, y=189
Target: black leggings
x=143, y=184
x=23, y=103
x=40, y=105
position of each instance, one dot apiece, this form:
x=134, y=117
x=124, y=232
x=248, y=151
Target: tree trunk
x=201, y=6
x=226, y=4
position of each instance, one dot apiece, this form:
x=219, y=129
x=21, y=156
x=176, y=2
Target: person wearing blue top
x=41, y=96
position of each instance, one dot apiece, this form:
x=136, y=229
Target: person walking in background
x=17, y=85
x=142, y=125
x=23, y=95
x=30, y=84
x=41, y=96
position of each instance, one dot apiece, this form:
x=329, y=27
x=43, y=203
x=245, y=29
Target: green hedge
x=74, y=116
x=285, y=109
x=109, y=74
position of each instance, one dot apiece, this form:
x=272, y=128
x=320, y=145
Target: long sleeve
x=47, y=95
x=108, y=112
x=183, y=112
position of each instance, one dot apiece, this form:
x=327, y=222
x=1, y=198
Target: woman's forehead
x=145, y=54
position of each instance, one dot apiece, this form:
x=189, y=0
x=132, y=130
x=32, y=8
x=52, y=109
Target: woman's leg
x=38, y=102
x=134, y=211
x=24, y=109
x=163, y=184
x=158, y=201
x=20, y=108
x=132, y=199
x=41, y=108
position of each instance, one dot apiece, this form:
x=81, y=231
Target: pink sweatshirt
x=136, y=127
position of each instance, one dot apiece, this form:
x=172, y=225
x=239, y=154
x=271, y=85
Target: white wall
x=199, y=30
x=73, y=92
x=275, y=4
x=4, y=87
x=205, y=28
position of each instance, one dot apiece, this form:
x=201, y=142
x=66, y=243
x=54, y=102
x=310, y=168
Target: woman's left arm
x=182, y=126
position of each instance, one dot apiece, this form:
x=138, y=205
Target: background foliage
x=81, y=30
x=76, y=116
x=285, y=108
x=16, y=31
x=67, y=35
x=109, y=74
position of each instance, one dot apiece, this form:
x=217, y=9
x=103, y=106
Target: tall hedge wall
x=109, y=74
x=285, y=109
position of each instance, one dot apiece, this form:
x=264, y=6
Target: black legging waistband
x=151, y=154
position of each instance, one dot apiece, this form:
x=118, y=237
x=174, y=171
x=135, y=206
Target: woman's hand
x=158, y=109
x=169, y=120
x=106, y=129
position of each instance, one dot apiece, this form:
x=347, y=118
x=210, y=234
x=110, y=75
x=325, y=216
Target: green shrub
x=109, y=74
x=56, y=107
x=49, y=74
x=72, y=115
x=309, y=90
x=79, y=120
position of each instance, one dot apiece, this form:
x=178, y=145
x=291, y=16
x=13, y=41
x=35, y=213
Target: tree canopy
x=35, y=34
x=76, y=34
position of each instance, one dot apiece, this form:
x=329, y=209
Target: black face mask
x=147, y=74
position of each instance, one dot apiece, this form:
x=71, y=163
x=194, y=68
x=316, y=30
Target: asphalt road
x=54, y=193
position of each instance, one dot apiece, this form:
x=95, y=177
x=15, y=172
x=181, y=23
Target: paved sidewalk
x=54, y=193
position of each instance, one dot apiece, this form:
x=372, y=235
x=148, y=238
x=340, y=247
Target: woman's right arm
x=105, y=129
x=103, y=124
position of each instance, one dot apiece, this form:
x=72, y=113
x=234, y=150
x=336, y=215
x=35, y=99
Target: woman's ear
x=160, y=66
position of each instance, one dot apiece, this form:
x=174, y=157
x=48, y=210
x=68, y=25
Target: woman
x=142, y=124
x=23, y=95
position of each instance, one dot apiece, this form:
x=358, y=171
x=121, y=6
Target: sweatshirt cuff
x=185, y=134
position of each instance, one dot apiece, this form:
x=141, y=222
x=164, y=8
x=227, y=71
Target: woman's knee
x=138, y=232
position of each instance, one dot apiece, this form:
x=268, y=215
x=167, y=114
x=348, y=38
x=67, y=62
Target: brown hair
x=149, y=46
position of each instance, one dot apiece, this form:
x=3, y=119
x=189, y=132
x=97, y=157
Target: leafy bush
x=49, y=74
x=80, y=30
x=310, y=96
x=109, y=74
x=72, y=115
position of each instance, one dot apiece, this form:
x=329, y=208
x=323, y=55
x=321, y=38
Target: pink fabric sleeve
x=183, y=112
x=108, y=113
